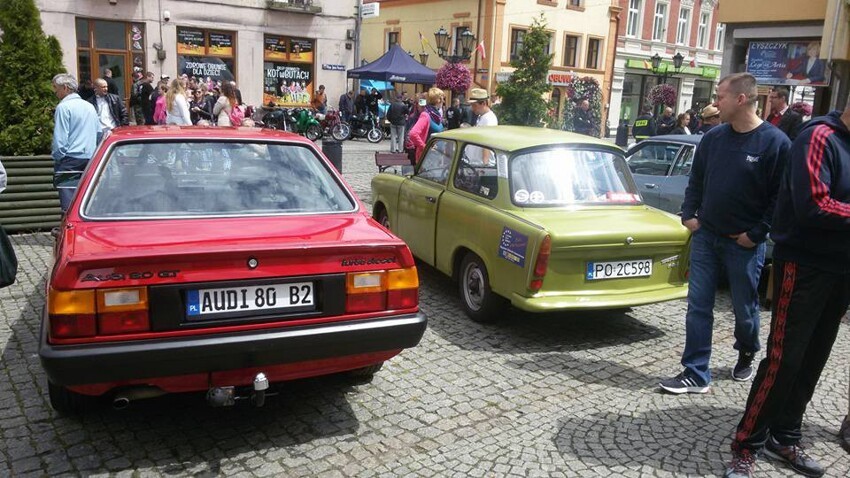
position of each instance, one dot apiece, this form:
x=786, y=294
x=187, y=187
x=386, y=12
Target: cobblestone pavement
x=555, y=395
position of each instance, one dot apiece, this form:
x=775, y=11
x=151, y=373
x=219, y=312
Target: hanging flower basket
x=454, y=77
x=662, y=95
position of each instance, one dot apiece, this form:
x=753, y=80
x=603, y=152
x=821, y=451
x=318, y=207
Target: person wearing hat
x=479, y=101
x=710, y=118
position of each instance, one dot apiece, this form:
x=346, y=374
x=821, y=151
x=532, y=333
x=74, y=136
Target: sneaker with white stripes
x=682, y=384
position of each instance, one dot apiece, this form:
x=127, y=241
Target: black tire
x=479, y=302
x=375, y=135
x=67, y=402
x=313, y=132
x=341, y=131
x=383, y=218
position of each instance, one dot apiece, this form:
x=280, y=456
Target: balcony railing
x=305, y=6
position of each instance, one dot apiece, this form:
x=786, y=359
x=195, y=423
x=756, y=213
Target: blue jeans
x=65, y=183
x=710, y=255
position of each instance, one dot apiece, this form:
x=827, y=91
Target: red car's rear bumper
x=213, y=356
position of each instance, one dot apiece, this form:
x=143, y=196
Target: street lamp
x=467, y=41
x=660, y=69
x=423, y=58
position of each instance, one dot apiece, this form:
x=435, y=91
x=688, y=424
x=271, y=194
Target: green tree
x=522, y=95
x=28, y=62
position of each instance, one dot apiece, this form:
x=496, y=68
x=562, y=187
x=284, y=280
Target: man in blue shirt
x=728, y=208
x=74, y=135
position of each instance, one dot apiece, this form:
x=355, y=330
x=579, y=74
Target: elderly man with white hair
x=74, y=133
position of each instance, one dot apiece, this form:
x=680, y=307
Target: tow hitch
x=227, y=396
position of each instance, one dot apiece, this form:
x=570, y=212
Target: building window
x=633, y=18
x=106, y=45
x=702, y=29
x=575, y=3
x=288, y=67
x=517, y=38
x=458, y=44
x=593, y=50
x=206, y=54
x=571, y=50
x=550, y=43
x=659, y=23
x=684, y=26
x=719, y=36
x=392, y=39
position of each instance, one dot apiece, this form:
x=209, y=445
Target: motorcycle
x=333, y=125
x=295, y=120
x=365, y=126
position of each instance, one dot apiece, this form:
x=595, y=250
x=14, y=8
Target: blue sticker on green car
x=512, y=246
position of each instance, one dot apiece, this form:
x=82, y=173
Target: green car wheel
x=479, y=302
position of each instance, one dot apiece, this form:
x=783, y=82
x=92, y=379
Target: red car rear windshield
x=180, y=179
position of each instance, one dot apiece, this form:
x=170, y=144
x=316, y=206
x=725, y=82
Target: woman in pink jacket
x=430, y=121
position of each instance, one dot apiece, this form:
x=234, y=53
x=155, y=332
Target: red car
x=218, y=259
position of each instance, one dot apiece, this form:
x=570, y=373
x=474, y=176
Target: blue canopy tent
x=377, y=84
x=395, y=66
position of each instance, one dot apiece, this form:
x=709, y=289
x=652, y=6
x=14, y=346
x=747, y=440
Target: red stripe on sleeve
x=814, y=161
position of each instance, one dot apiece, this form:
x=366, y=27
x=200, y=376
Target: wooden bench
x=386, y=160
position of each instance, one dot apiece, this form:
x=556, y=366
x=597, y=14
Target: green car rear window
x=562, y=176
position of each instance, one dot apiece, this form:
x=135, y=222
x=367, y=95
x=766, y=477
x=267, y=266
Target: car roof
x=236, y=133
x=515, y=138
x=678, y=138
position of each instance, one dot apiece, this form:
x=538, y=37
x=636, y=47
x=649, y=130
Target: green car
x=543, y=219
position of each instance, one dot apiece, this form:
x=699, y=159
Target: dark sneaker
x=743, y=465
x=844, y=434
x=795, y=457
x=743, y=370
x=682, y=384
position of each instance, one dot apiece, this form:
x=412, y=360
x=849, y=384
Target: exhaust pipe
x=261, y=384
x=123, y=398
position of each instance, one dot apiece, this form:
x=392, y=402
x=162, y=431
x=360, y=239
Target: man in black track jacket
x=811, y=228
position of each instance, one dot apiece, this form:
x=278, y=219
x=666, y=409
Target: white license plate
x=619, y=269
x=270, y=297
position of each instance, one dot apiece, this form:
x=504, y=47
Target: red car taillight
x=541, y=264
x=86, y=313
x=381, y=290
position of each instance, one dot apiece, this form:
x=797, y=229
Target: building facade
x=666, y=27
x=582, y=36
x=277, y=51
x=807, y=44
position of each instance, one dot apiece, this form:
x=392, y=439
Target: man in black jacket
x=811, y=228
x=782, y=116
x=397, y=116
x=583, y=121
x=110, y=109
x=666, y=122
x=145, y=91
x=644, y=126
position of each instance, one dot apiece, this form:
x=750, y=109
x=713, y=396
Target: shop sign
x=287, y=84
x=560, y=79
x=787, y=63
x=333, y=67
x=217, y=69
x=221, y=44
x=301, y=50
x=503, y=76
x=190, y=42
x=274, y=48
x=703, y=71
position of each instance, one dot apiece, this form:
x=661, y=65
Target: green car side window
x=474, y=176
x=437, y=161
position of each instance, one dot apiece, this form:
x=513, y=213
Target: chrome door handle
x=650, y=186
x=431, y=199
